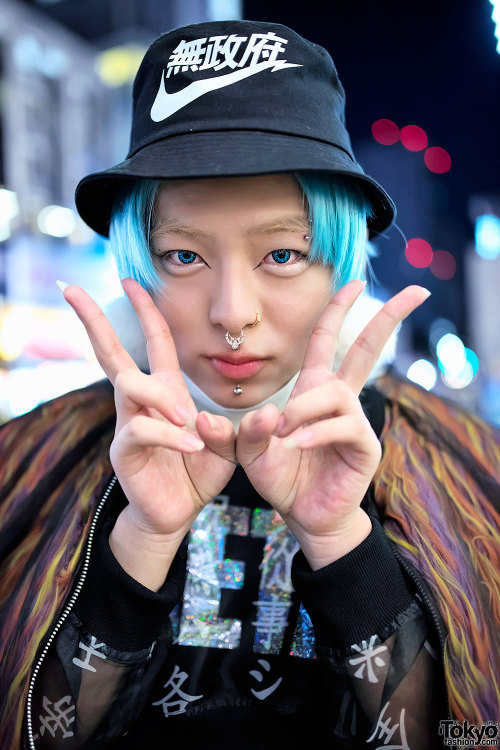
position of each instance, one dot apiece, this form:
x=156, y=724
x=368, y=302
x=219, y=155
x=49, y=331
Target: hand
x=315, y=463
x=166, y=472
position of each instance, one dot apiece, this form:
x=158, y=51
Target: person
x=240, y=542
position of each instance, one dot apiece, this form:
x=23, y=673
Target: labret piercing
x=234, y=343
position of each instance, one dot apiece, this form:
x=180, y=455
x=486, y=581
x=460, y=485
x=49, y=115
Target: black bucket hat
x=233, y=98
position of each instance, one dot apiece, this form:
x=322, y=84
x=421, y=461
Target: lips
x=236, y=366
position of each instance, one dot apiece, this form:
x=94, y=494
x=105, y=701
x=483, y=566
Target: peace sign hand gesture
x=314, y=463
x=166, y=472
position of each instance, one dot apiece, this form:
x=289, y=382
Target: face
x=227, y=248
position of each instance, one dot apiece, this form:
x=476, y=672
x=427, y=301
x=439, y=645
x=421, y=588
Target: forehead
x=256, y=195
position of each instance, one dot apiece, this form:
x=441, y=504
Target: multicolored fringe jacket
x=436, y=492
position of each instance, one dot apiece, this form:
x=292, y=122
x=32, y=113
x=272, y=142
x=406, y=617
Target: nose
x=234, y=301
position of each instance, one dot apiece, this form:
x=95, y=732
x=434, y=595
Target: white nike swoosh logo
x=166, y=104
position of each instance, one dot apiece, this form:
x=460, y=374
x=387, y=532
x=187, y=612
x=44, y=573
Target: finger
x=364, y=352
x=218, y=434
x=344, y=430
x=255, y=433
x=334, y=396
x=162, y=354
x=134, y=390
x=322, y=345
x=107, y=346
x=147, y=432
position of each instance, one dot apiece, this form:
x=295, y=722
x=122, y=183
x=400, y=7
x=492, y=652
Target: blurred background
x=422, y=81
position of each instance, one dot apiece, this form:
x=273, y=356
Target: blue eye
x=281, y=256
x=186, y=256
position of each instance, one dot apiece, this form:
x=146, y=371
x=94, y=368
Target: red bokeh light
x=385, y=132
x=413, y=138
x=437, y=159
x=443, y=265
x=419, y=253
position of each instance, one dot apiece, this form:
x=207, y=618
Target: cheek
x=296, y=314
x=183, y=318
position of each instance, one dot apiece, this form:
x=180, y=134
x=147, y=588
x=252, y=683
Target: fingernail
x=191, y=423
x=211, y=420
x=62, y=285
x=190, y=441
x=300, y=441
x=427, y=293
x=182, y=412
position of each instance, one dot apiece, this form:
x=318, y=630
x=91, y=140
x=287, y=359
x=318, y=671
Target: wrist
x=144, y=555
x=321, y=550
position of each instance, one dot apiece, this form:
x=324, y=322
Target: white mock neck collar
x=205, y=403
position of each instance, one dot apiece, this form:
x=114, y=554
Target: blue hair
x=336, y=207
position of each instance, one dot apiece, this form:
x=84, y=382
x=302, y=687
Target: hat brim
x=225, y=154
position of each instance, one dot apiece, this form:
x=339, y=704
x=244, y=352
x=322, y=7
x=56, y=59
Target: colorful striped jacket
x=437, y=487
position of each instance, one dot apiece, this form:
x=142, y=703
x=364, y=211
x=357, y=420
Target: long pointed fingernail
x=62, y=285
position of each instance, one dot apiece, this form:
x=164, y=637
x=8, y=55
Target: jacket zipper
x=431, y=608
x=66, y=611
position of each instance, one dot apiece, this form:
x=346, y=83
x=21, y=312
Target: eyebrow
x=285, y=223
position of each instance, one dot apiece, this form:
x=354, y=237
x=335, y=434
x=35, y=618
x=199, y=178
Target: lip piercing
x=234, y=343
x=238, y=390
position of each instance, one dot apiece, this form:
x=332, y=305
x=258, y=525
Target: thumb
x=255, y=433
x=218, y=434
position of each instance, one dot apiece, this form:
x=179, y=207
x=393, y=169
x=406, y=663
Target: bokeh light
x=118, y=65
x=57, y=221
x=423, y=373
x=451, y=355
x=473, y=360
x=413, y=138
x=439, y=328
x=487, y=236
x=443, y=265
x=418, y=253
x=9, y=209
x=461, y=379
x=437, y=159
x=385, y=132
